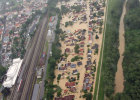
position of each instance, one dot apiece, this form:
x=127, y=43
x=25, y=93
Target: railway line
x=29, y=63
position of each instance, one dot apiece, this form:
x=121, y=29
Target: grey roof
x=73, y=65
x=95, y=46
x=35, y=92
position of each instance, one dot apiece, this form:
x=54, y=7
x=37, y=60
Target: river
x=119, y=77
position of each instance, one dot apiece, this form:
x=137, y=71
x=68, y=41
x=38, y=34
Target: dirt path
x=119, y=78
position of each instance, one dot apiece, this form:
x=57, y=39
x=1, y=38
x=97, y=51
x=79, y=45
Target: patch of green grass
x=38, y=80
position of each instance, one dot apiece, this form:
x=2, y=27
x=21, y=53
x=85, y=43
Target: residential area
x=17, y=27
x=80, y=44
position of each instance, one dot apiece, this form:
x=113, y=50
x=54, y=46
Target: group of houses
x=11, y=25
x=80, y=49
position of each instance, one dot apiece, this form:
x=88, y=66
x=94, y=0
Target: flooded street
x=119, y=78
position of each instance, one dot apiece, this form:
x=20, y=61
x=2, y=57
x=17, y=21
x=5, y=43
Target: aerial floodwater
x=119, y=78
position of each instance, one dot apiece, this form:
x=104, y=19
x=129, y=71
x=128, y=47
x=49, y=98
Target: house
x=94, y=62
x=72, y=44
x=81, y=54
x=67, y=50
x=70, y=84
x=89, y=62
x=89, y=56
x=73, y=65
x=59, y=65
x=62, y=68
x=75, y=72
x=83, y=38
x=69, y=97
x=88, y=68
x=86, y=80
x=87, y=75
x=89, y=52
x=90, y=38
x=68, y=64
x=82, y=43
x=81, y=50
x=73, y=89
x=79, y=63
x=95, y=46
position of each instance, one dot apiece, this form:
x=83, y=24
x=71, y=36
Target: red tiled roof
x=80, y=53
x=70, y=84
x=82, y=42
x=0, y=32
x=70, y=97
x=90, y=29
x=50, y=19
x=81, y=49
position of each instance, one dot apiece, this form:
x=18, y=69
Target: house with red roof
x=67, y=50
x=70, y=84
x=69, y=97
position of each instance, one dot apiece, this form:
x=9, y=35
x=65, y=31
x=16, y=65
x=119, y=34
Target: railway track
x=30, y=62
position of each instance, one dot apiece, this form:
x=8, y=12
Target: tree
x=76, y=48
x=64, y=9
x=97, y=37
x=59, y=92
x=88, y=96
x=6, y=92
x=77, y=8
x=58, y=77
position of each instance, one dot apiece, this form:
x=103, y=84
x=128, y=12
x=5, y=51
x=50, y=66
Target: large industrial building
x=12, y=73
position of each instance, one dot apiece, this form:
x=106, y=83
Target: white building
x=12, y=73
x=49, y=35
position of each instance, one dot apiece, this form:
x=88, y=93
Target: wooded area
x=131, y=63
x=111, y=53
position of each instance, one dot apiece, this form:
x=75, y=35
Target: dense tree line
x=111, y=53
x=131, y=63
x=50, y=89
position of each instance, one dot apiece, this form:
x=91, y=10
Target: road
x=29, y=63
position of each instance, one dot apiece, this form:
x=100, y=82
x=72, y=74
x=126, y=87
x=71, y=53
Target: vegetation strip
x=110, y=58
x=96, y=91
